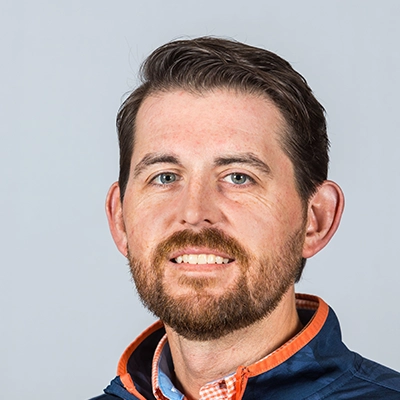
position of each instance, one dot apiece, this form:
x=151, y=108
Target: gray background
x=68, y=307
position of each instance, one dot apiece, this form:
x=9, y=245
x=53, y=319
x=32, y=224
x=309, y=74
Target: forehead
x=224, y=119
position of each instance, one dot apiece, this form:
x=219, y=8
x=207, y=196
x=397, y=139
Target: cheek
x=263, y=222
x=143, y=227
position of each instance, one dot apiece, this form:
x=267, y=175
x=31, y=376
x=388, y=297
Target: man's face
x=214, y=225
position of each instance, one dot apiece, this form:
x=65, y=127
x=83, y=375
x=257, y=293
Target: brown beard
x=202, y=316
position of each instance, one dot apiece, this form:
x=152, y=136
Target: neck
x=198, y=363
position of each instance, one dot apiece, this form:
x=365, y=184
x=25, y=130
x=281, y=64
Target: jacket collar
x=134, y=368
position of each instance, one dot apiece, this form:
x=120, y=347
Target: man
x=222, y=196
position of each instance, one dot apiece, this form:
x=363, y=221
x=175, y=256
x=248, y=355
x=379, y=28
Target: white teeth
x=192, y=259
x=211, y=259
x=201, y=259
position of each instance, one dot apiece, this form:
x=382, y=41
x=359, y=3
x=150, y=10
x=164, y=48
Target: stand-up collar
x=134, y=368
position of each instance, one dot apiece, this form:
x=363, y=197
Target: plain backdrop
x=68, y=306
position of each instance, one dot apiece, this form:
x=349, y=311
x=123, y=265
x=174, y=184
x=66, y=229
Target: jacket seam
x=364, y=378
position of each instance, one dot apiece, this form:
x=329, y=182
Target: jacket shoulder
x=105, y=397
x=383, y=378
x=369, y=380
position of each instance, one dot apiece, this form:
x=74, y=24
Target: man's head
x=206, y=64
x=216, y=207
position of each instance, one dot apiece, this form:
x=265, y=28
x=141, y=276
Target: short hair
x=207, y=63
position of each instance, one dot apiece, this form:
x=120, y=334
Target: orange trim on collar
x=287, y=350
x=123, y=361
x=122, y=369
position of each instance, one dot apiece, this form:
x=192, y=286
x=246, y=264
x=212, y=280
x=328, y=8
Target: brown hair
x=206, y=63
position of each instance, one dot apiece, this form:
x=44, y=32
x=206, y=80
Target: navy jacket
x=314, y=365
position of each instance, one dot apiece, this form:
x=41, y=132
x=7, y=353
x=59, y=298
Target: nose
x=199, y=206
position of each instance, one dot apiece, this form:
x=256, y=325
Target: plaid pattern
x=222, y=389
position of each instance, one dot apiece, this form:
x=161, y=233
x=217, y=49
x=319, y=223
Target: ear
x=115, y=218
x=325, y=209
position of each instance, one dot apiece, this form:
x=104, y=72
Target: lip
x=197, y=251
x=200, y=268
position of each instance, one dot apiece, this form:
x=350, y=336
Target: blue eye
x=165, y=178
x=238, y=179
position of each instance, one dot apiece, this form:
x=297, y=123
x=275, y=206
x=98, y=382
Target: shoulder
x=378, y=376
x=368, y=380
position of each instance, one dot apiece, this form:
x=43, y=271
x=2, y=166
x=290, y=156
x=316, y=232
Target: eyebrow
x=154, y=158
x=245, y=158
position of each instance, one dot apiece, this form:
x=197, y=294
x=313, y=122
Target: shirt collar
x=162, y=373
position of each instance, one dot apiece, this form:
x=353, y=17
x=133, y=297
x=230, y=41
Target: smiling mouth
x=201, y=259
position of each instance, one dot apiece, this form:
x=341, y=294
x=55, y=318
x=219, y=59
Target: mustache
x=212, y=238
